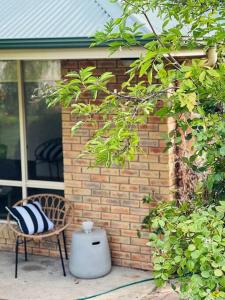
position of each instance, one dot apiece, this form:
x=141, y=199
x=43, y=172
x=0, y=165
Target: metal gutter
x=40, y=43
x=49, y=43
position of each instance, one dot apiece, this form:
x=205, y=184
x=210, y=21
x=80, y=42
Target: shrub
x=188, y=243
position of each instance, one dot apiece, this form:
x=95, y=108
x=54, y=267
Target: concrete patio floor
x=41, y=279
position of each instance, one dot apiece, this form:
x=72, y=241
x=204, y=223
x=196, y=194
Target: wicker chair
x=58, y=210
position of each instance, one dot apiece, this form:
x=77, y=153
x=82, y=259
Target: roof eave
x=40, y=43
x=43, y=43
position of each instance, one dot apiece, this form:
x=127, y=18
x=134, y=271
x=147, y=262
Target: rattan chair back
x=57, y=208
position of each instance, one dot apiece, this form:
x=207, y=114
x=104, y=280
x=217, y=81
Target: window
x=30, y=133
x=10, y=162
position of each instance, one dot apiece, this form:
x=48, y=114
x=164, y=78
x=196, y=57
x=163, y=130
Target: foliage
x=192, y=92
x=117, y=140
x=189, y=244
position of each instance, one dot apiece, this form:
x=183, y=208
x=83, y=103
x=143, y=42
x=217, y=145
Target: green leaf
x=191, y=247
x=177, y=259
x=202, y=76
x=195, y=254
x=213, y=73
x=76, y=127
x=205, y=274
x=218, y=273
x=222, y=150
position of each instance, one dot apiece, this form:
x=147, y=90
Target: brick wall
x=112, y=197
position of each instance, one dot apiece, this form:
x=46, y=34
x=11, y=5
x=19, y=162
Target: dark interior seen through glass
x=10, y=162
x=43, y=125
x=8, y=196
x=34, y=191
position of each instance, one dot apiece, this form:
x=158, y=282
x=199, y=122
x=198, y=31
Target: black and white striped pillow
x=31, y=218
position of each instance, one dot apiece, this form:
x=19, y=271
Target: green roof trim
x=44, y=43
x=39, y=43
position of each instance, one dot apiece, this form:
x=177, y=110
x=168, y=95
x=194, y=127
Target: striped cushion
x=31, y=218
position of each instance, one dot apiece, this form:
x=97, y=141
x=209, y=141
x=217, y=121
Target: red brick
x=87, y=63
x=130, y=218
x=73, y=183
x=103, y=223
x=110, y=186
x=158, y=166
x=138, y=241
x=85, y=206
x=131, y=233
x=139, y=166
x=128, y=172
x=137, y=196
x=119, y=179
x=150, y=174
x=120, y=254
x=163, y=128
x=140, y=257
x=121, y=195
x=113, y=231
x=100, y=178
x=159, y=182
x=110, y=216
x=129, y=188
x=91, y=185
x=105, y=171
x=120, y=209
x=105, y=208
x=106, y=63
x=115, y=246
x=139, y=180
x=131, y=248
x=91, y=199
x=139, y=211
x=120, y=239
x=165, y=191
x=149, y=189
x=111, y=201
x=122, y=225
x=81, y=177
x=130, y=203
x=100, y=193
x=87, y=170
x=91, y=215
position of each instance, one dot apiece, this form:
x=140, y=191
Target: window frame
x=25, y=183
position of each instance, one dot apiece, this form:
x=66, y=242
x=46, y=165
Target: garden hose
x=117, y=288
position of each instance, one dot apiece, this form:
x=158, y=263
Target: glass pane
x=43, y=125
x=8, y=71
x=10, y=161
x=34, y=191
x=45, y=70
x=8, y=196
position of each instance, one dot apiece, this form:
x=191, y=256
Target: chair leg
x=25, y=248
x=60, y=252
x=64, y=242
x=16, y=261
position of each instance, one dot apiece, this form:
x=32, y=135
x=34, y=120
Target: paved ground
x=41, y=279
x=162, y=294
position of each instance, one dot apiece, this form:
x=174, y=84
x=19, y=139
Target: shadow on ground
x=41, y=279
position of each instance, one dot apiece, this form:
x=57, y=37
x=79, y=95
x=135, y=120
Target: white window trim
x=86, y=53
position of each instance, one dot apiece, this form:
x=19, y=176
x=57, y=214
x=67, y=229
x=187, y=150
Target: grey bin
x=90, y=254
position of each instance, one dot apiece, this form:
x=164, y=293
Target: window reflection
x=8, y=196
x=35, y=191
x=43, y=125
